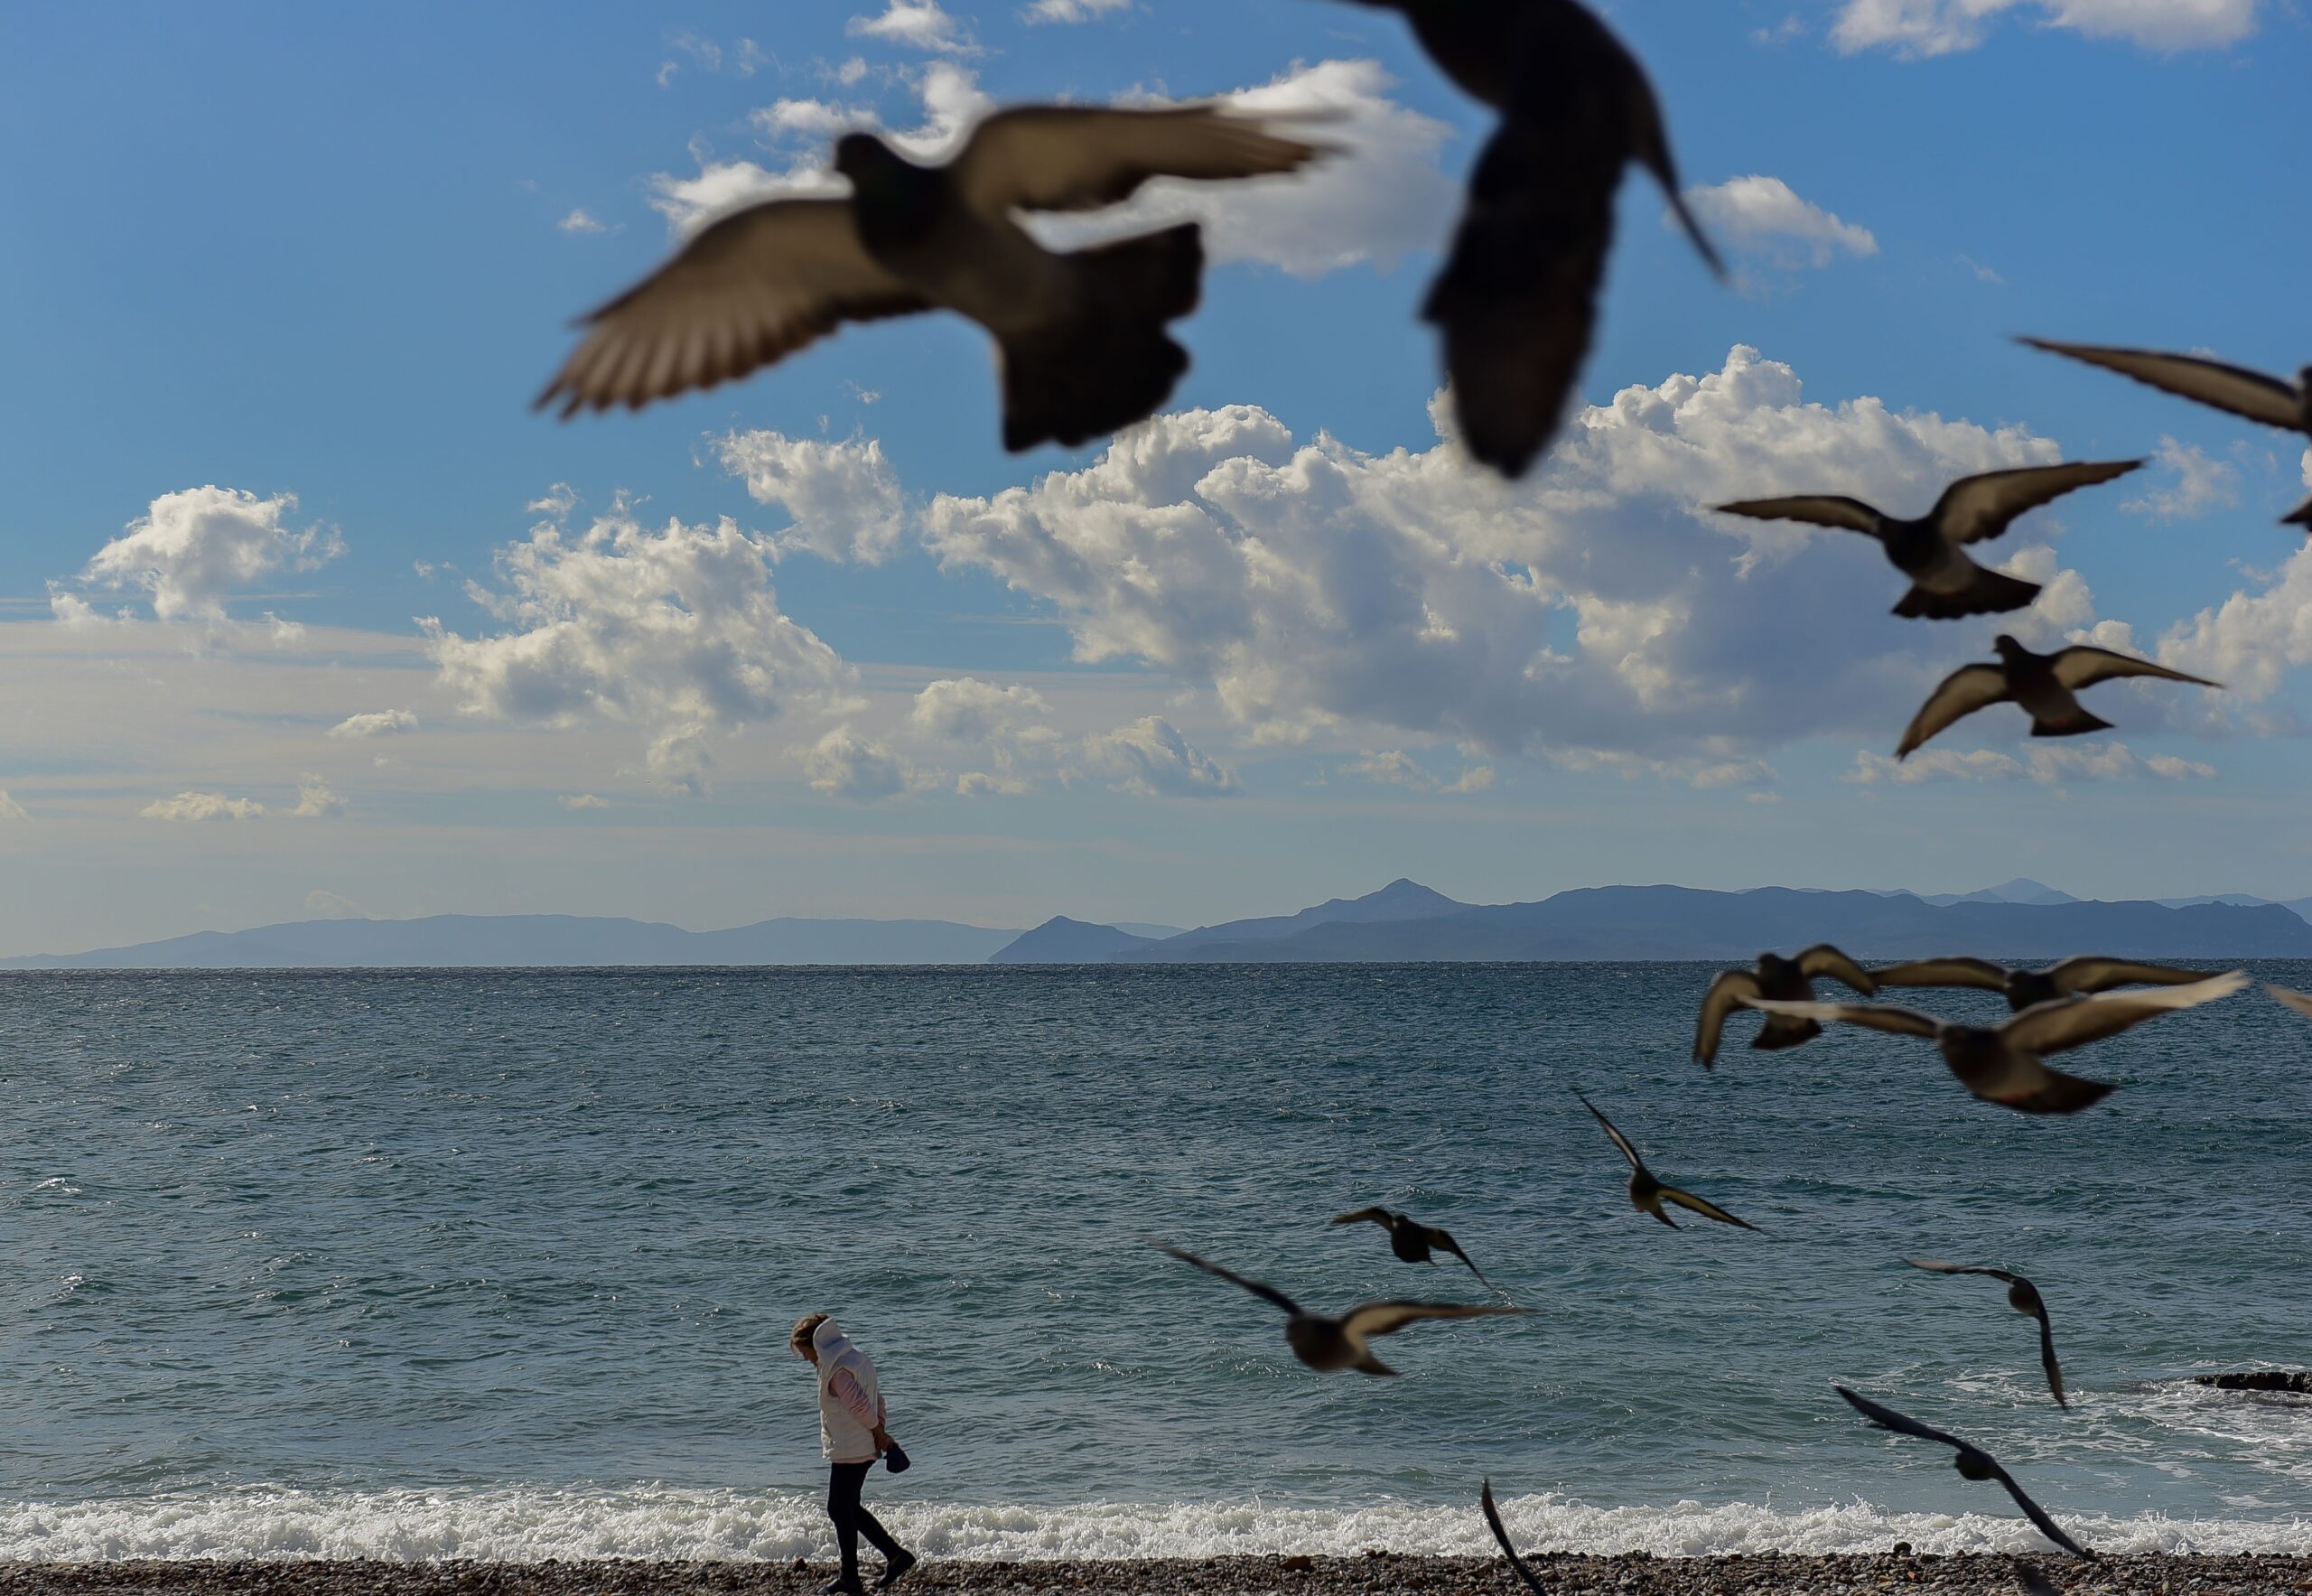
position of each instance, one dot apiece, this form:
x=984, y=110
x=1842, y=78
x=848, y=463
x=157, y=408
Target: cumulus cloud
x=843, y=764
x=202, y=806
x=918, y=24
x=580, y=221
x=678, y=631
x=1071, y=11
x=968, y=722
x=2047, y=764
x=1920, y=28
x=376, y=723
x=1597, y=607
x=2254, y=638
x=9, y=810
x=194, y=550
x=1762, y=215
x=1392, y=767
x=315, y=799
x=843, y=498
x=1151, y=757
x=2203, y=483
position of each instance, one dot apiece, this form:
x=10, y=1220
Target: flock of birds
x=1082, y=348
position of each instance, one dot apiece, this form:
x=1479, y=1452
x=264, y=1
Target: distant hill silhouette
x=1060, y=940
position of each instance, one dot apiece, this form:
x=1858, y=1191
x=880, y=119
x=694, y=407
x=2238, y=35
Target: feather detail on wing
x=1944, y=972
x=1267, y=1293
x=2037, y=1514
x=1440, y=1239
x=1965, y=691
x=1367, y=1319
x=1619, y=1140
x=2088, y=973
x=1875, y=1016
x=1849, y=515
x=1976, y=507
x=1824, y=960
x=2234, y=388
x=1726, y=994
x=2047, y=1359
x=2069, y=1023
x=1084, y=157
x=2082, y=667
x=1886, y=1418
x=1492, y=1522
x=750, y=290
x=1706, y=1208
x=1377, y=1216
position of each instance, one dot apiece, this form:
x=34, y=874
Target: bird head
x=872, y=166
x=2009, y=650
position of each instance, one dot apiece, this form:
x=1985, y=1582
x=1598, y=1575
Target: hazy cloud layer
x=378, y=722
x=1940, y=27
x=2047, y=764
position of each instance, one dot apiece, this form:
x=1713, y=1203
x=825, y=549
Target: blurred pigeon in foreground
x=2028, y=988
x=1773, y=975
x=2045, y=684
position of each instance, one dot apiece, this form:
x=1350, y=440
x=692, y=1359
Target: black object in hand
x=896, y=1460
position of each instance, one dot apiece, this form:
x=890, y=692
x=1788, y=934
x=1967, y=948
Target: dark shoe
x=896, y=1569
x=843, y=1584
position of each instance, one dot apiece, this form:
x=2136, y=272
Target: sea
x=414, y=1265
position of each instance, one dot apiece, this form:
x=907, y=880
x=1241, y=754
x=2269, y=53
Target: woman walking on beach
x=852, y=1435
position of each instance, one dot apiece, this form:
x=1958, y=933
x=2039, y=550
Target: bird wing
x=2082, y=667
x=1886, y=1418
x=1706, y=1208
x=1266, y=1293
x=1822, y=960
x=1438, y=1238
x=1378, y=1215
x=1083, y=157
x=2048, y=1357
x=1877, y=1016
x=2088, y=973
x=1367, y=1319
x=1726, y=994
x=1493, y=1520
x=1619, y=1140
x=1823, y=509
x=1941, y=1267
x=2034, y=1512
x=1975, y=508
x=1969, y=688
x=748, y=291
x=1944, y=972
x=2064, y=1024
x=2298, y=1000
x=2234, y=388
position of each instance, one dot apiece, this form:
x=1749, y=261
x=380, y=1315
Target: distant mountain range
x=1403, y=921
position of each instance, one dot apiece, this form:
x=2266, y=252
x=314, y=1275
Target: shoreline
x=1575, y=1574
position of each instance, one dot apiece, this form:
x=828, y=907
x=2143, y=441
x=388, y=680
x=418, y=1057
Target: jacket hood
x=829, y=1342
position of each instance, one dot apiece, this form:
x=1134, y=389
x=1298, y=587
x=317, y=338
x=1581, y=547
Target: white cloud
x=1151, y=757
x=2251, y=640
x=9, y=810
x=1597, y=607
x=678, y=631
x=2047, y=764
x=843, y=498
x=315, y=799
x=202, y=806
x=919, y=24
x=2203, y=483
x=1762, y=215
x=327, y=905
x=1919, y=28
x=376, y=723
x=1392, y=767
x=194, y=550
x=579, y=221
x=842, y=764
x=1071, y=11
x=582, y=801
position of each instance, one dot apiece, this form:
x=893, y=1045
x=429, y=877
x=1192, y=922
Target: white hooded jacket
x=845, y=1437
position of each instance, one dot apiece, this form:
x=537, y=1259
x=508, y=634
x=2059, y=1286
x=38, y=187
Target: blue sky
x=326, y=257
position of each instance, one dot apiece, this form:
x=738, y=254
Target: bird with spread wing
x=2025, y=1298
x=1647, y=1194
x=2005, y=1064
x=1080, y=335
x=1931, y=549
x=1789, y=979
x=1326, y=1342
x=1972, y=1463
x=2045, y=684
x=1410, y=1239
x=2026, y=989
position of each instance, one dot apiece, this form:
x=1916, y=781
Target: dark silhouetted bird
x=1500, y=1534
x=1327, y=1343
x=1972, y=1463
x=2232, y=388
x=2005, y=1064
x=2045, y=684
x=2024, y=1298
x=1517, y=298
x=1946, y=585
x=1648, y=1195
x=1792, y=979
x=1080, y=336
x=1410, y=1239
x=2026, y=989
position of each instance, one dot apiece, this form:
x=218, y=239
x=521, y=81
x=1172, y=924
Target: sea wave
x=518, y=1525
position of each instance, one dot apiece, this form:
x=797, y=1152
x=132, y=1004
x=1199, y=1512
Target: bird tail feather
x=2070, y=725
x=1782, y=1031
x=1158, y=275
x=1083, y=378
x=1991, y=592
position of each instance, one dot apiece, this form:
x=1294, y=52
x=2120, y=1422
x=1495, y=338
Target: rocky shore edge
x=1374, y=1574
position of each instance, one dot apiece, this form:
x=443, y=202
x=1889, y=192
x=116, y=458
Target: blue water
x=503, y=1263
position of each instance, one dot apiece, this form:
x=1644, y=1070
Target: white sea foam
x=528, y=1526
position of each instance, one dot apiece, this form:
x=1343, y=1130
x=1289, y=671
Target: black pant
x=853, y=1520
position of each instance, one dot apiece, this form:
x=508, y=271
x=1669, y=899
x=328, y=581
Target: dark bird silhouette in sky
x=2006, y=1064
x=1517, y=299
x=2232, y=388
x=2026, y=989
x=1410, y=1239
x=1647, y=1194
x=2045, y=684
x=1972, y=1463
x=2024, y=1298
x=1501, y=1534
x=1773, y=975
x=1327, y=1343
x=1080, y=336
x=1930, y=550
